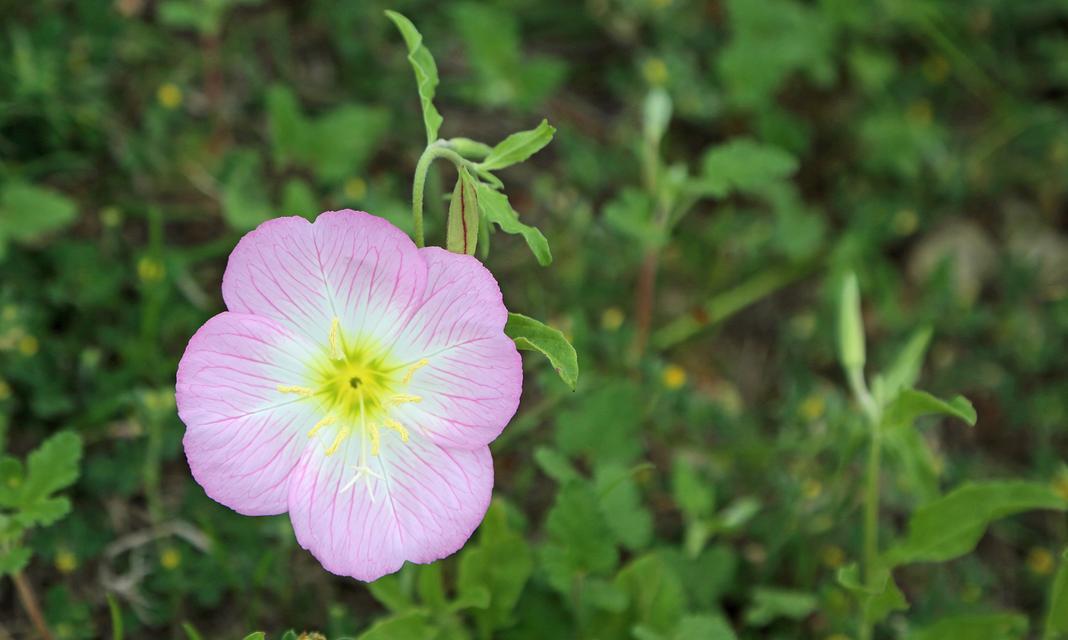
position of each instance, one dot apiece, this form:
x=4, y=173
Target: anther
x=319, y=425
x=342, y=433
x=335, y=339
x=398, y=427
x=376, y=438
x=300, y=391
x=412, y=369
x=402, y=398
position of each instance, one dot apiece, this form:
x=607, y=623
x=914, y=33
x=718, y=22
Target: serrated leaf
x=975, y=626
x=11, y=479
x=343, y=140
x=532, y=335
x=290, y=635
x=496, y=208
x=51, y=467
x=704, y=626
x=655, y=592
x=426, y=73
x=578, y=537
x=289, y=131
x=771, y=604
x=415, y=625
x=518, y=147
x=462, y=230
x=555, y=465
x=14, y=559
x=743, y=165
x=952, y=525
x=694, y=495
x=494, y=571
x=911, y=404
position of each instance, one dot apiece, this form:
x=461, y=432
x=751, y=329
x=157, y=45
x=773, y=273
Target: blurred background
x=706, y=474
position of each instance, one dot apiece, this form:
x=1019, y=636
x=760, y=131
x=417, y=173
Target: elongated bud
x=462, y=233
x=850, y=325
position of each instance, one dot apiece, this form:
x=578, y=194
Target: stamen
x=398, y=427
x=411, y=370
x=402, y=398
x=319, y=425
x=335, y=339
x=342, y=433
x=300, y=391
x=376, y=438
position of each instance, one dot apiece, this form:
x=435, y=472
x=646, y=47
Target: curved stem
x=29, y=603
x=436, y=149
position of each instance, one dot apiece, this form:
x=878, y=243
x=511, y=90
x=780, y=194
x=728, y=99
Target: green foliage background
x=707, y=485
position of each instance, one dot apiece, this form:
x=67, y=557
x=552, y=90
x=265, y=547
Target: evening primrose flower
x=355, y=381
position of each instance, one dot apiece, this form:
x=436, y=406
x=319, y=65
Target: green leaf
x=579, y=539
x=655, y=593
x=289, y=131
x=343, y=141
x=426, y=73
x=415, y=625
x=555, y=465
x=621, y=503
x=256, y=635
x=604, y=425
x=28, y=212
x=695, y=496
x=876, y=602
x=850, y=325
x=704, y=626
x=470, y=149
x=14, y=559
x=911, y=404
x=1057, y=614
x=952, y=525
x=496, y=208
x=290, y=635
x=531, y=335
x=771, y=604
x=298, y=199
x=115, y=611
x=191, y=631
x=499, y=565
x=51, y=467
x=388, y=591
x=975, y=626
x=518, y=147
x=462, y=232
x=743, y=165
x=244, y=200
x=905, y=369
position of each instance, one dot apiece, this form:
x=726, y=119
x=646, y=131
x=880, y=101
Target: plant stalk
x=29, y=603
x=433, y=151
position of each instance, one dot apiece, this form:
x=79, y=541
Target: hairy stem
x=433, y=151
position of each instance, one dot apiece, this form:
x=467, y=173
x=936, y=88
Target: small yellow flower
x=811, y=489
x=169, y=95
x=674, y=376
x=28, y=345
x=5, y=390
x=1040, y=561
x=1060, y=483
x=110, y=217
x=655, y=71
x=149, y=270
x=612, y=319
x=355, y=188
x=936, y=69
x=921, y=112
x=813, y=406
x=832, y=556
x=66, y=561
x=906, y=221
x=170, y=558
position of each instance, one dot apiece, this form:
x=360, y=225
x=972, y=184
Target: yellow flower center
x=356, y=383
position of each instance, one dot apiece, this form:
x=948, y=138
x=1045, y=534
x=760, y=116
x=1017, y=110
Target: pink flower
x=355, y=382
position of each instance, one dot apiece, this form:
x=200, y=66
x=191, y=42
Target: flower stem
x=29, y=603
x=871, y=491
x=434, y=150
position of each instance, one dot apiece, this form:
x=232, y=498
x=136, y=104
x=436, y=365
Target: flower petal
x=348, y=264
x=423, y=503
x=243, y=437
x=473, y=376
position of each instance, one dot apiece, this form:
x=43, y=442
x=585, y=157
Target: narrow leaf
x=519, y=146
x=426, y=73
x=1057, y=616
x=905, y=369
x=462, y=230
x=952, y=525
x=911, y=404
x=496, y=208
x=531, y=335
x=975, y=626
